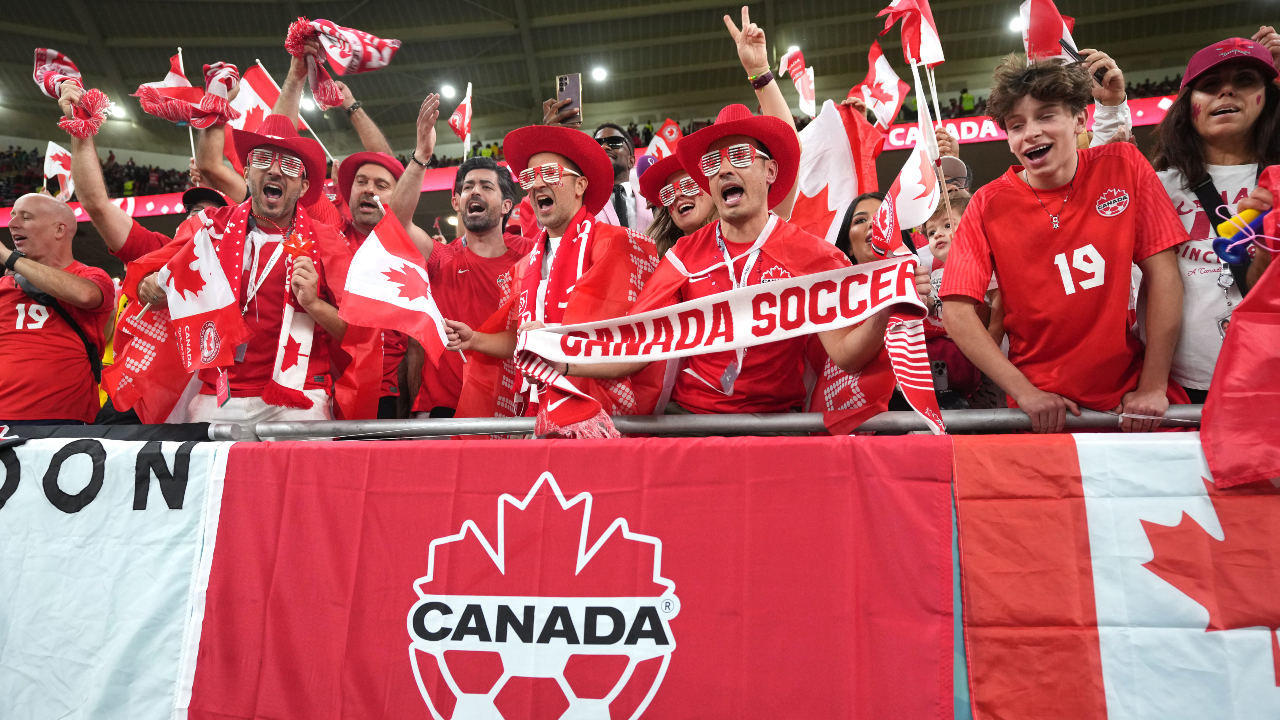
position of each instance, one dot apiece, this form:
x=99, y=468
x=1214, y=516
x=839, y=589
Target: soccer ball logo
x=545, y=625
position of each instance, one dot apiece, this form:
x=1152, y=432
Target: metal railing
x=1001, y=420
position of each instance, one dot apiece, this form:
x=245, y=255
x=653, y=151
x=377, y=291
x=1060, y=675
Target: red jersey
x=467, y=288
x=394, y=344
x=142, y=241
x=44, y=367
x=264, y=314
x=770, y=379
x=1066, y=291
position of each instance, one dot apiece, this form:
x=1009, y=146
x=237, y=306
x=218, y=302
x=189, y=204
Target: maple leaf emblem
x=412, y=285
x=253, y=119
x=62, y=159
x=186, y=278
x=879, y=94
x=927, y=177
x=1235, y=578
x=291, y=354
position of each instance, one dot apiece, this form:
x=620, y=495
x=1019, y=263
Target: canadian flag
x=666, y=139
x=837, y=165
x=882, y=90
x=1107, y=577
x=920, y=41
x=57, y=164
x=911, y=199
x=206, y=316
x=258, y=94
x=460, y=120
x=1043, y=27
x=793, y=63
x=388, y=287
x=175, y=77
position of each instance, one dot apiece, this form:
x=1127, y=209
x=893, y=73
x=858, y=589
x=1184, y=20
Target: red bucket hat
x=347, y=171
x=279, y=131
x=1229, y=50
x=523, y=143
x=777, y=136
x=656, y=177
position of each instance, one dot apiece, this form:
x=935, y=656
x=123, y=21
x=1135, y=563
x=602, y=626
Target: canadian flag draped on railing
x=666, y=139
x=793, y=63
x=388, y=287
x=1042, y=28
x=460, y=120
x=882, y=90
x=349, y=51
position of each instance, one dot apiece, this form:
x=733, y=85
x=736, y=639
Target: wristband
x=14, y=256
x=759, y=81
x=414, y=157
x=354, y=107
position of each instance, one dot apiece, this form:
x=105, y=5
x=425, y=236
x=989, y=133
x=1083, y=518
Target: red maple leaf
x=253, y=119
x=927, y=177
x=184, y=278
x=63, y=159
x=1236, y=579
x=412, y=285
x=879, y=95
x=811, y=213
x=291, y=348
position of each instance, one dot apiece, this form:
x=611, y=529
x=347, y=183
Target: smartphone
x=1097, y=76
x=570, y=86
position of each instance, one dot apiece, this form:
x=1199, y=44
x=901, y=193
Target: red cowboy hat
x=656, y=177
x=279, y=131
x=523, y=143
x=778, y=138
x=347, y=171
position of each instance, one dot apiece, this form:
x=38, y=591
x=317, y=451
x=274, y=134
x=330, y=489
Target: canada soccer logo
x=209, y=342
x=547, y=624
x=1113, y=202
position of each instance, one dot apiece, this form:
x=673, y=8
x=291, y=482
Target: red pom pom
x=299, y=32
x=89, y=114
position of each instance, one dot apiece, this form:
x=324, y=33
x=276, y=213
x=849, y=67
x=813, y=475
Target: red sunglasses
x=262, y=159
x=685, y=186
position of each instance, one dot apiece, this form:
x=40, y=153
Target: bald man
x=52, y=314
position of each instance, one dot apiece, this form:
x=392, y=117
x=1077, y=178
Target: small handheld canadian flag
x=1043, y=27
x=460, y=120
x=793, y=63
x=57, y=163
x=882, y=90
x=665, y=140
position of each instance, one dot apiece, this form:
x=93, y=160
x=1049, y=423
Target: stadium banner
x=663, y=578
x=1106, y=576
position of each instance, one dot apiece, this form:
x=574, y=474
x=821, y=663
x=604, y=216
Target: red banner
x=526, y=580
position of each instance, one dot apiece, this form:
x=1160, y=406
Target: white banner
x=745, y=317
x=102, y=544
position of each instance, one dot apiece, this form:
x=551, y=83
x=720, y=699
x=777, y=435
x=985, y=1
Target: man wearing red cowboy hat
x=286, y=294
x=748, y=165
x=579, y=270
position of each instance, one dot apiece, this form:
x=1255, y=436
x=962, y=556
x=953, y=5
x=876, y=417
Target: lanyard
x=255, y=281
x=752, y=255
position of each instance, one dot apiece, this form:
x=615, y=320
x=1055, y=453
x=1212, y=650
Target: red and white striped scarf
x=350, y=51
x=201, y=109
x=51, y=70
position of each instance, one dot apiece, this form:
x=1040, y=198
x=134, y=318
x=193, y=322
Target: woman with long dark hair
x=1212, y=145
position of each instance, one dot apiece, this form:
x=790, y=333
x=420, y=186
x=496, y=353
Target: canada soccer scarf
x=51, y=70
x=349, y=51
x=186, y=104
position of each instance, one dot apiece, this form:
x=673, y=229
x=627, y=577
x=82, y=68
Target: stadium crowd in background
x=1080, y=278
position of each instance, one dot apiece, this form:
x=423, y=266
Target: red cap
x=1230, y=50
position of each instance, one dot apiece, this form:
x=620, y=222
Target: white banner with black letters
x=105, y=549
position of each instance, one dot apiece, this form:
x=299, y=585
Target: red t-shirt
x=44, y=368
x=467, y=289
x=771, y=377
x=142, y=241
x=1066, y=291
x=263, y=315
x=394, y=343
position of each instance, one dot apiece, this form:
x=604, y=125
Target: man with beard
x=282, y=372
x=626, y=208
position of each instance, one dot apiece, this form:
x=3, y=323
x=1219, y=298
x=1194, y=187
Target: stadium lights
x=453, y=220
x=599, y=74
x=793, y=48
x=307, y=105
x=448, y=91
x=1015, y=25
x=117, y=111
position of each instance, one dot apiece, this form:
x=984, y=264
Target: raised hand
x=1111, y=91
x=428, y=114
x=752, y=50
x=71, y=94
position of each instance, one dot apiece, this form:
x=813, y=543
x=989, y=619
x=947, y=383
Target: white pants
x=247, y=411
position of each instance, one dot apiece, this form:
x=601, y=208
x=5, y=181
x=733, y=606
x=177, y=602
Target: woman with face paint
x=1217, y=137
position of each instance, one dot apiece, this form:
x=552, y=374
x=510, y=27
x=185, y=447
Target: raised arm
x=111, y=222
x=291, y=91
x=404, y=201
x=216, y=173
x=753, y=52
x=370, y=135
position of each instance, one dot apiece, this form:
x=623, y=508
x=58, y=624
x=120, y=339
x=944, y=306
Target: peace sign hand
x=750, y=41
